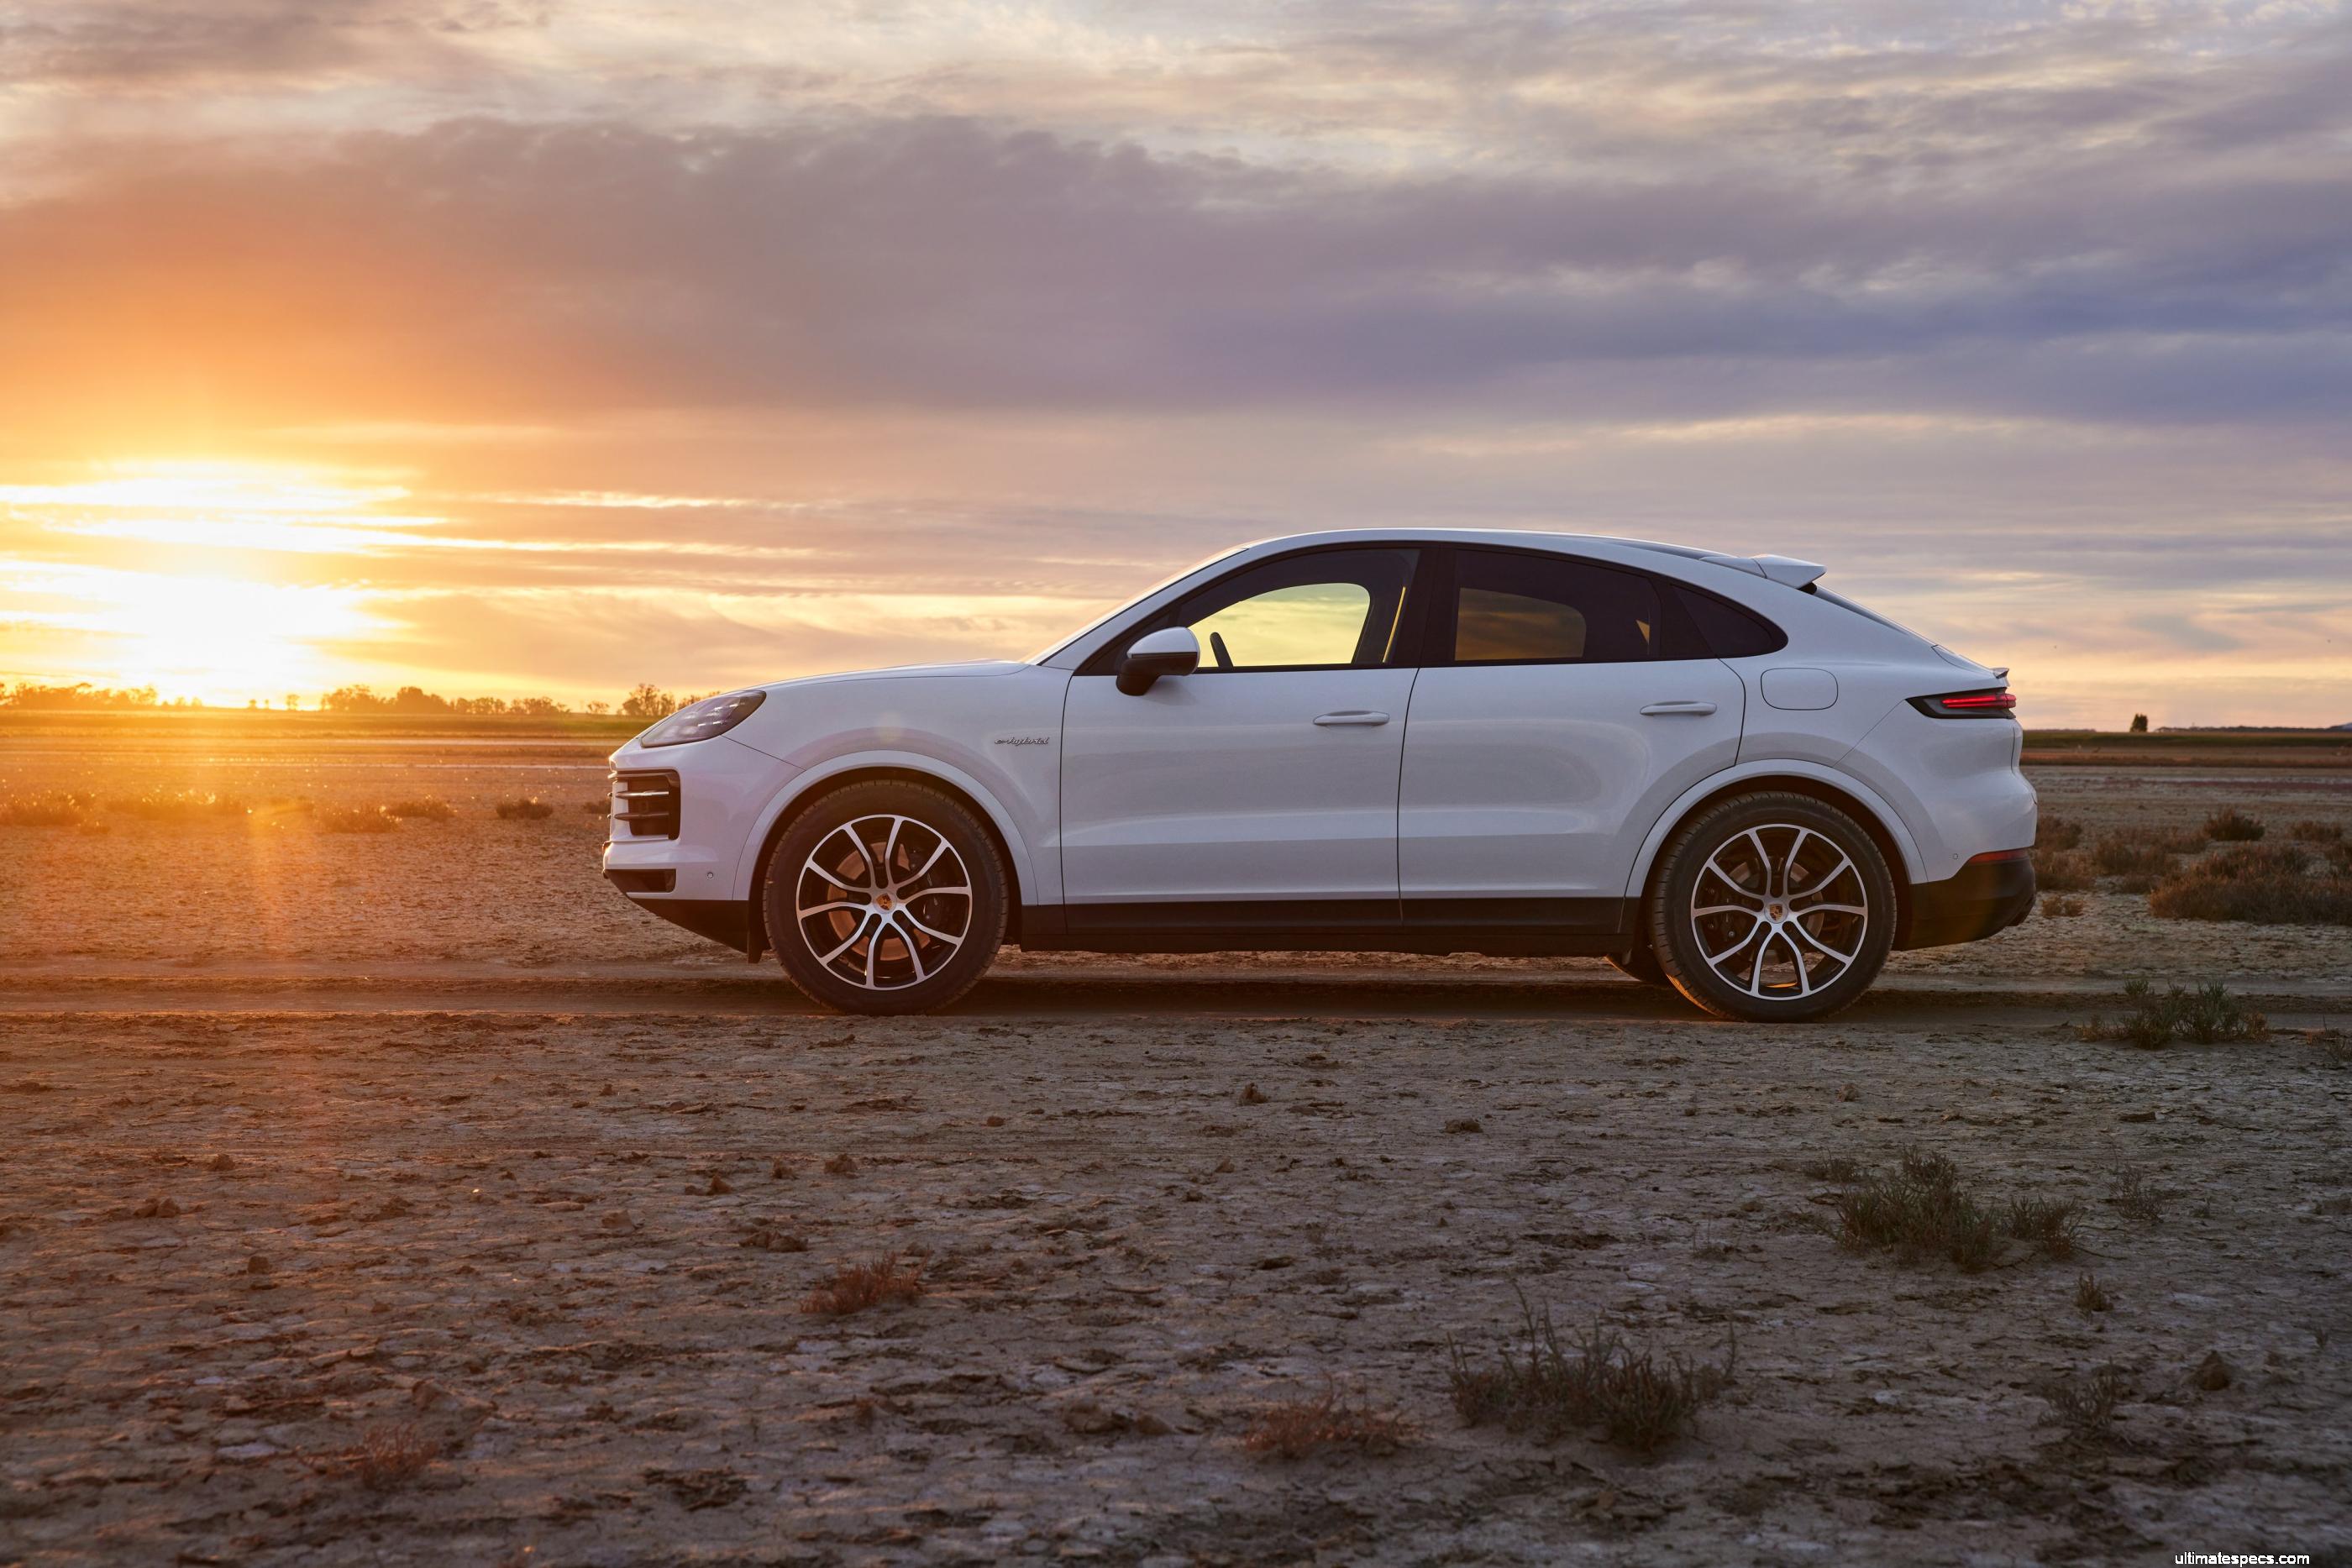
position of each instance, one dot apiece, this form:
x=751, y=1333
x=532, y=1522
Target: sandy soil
x=452, y=1188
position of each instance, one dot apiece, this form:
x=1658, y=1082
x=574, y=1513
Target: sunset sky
x=548, y=346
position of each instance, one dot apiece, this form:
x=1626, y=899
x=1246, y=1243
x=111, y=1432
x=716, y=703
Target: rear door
x=1563, y=705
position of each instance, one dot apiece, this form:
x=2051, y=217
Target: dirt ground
x=409, y=1198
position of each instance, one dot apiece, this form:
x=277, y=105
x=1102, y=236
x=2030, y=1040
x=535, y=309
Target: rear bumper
x=1987, y=897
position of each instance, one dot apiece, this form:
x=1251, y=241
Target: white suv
x=1707, y=767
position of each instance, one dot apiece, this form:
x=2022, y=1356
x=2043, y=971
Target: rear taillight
x=1995, y=704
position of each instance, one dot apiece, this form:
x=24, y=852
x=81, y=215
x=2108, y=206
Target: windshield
x=1048, y=652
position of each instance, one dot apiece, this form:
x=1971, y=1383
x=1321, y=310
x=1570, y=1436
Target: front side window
x=1328, y=610
x=1512, y=608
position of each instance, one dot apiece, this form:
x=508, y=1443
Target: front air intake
x=647, y=804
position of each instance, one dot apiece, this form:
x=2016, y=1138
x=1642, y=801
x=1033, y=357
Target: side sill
x=1499, y=927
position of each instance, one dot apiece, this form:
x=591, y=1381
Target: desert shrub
x=50, y=808
x=1920, y=1211
x=2090, y=1296
x=531, y=810
x=431, y=810
x=2339, y=856
x=2206, y=1015
x=2138, y=1199
x=1835, y=1167
x=1555, y=1388
x=2267, y=885
x=2314, y=832
x=1298, y=1427
x=2060, y=907
x=353, y=819
x=389, y=1456
x=2085, y=1403
x=854, y=1287
x=175, y=805
x=2058, y=833
x=2120, y=854
x=2065, y=870
x=2231, y=826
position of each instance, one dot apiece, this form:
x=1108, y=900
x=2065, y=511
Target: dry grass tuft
x=2066, y=871
x=2314, y=832
x=353, y=819
x=2085, y=1403
x=1299, y=1427
x=2060, y=907
x=1592, y=1379
x=2268, y=885
x=854, y=1287
x=389, y=1456
x=533, y=810
x=429, y=810
x=1835, y=1167
x=1920, y=1211
x=2128, y=855
x=50, y=808
x=175, y=805
x=2208, y=1015
x=2058, y=833
x=2090, y=1296
x=2231, y=826
x=2140, y=1201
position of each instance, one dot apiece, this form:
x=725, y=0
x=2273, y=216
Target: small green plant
x=2208, y=1015
x=429, y=810
x=353, y=819
x=1556, y=1386
x=2231, y=826
x=531, y=810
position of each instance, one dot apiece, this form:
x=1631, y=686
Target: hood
x=963, y=671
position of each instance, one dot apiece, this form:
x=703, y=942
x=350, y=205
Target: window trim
x=1405, y=644
x=1444, y=620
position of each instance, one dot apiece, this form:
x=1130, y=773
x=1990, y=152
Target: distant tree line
x=646, y=701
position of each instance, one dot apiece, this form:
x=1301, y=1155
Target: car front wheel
x=884, y=897
x=1773, y=907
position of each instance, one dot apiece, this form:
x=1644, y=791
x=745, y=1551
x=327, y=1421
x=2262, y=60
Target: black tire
x=862, y=944
x=1792, y=865
x=1641, y=965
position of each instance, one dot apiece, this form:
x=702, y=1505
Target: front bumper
x=1985, y=897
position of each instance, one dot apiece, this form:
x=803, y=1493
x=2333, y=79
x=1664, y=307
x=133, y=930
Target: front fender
x=1008, y=828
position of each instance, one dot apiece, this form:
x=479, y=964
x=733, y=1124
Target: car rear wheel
x=885, y=898
x=1772, y=907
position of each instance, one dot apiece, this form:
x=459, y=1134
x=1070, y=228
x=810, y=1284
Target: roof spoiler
x=1778, y=569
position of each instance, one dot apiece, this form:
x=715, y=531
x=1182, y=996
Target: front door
x=1565, y=705
x=1262, y=789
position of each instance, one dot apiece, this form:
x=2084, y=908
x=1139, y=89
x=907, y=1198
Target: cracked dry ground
x=555, y=1257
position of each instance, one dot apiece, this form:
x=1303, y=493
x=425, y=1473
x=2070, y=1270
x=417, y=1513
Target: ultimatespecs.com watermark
x=2241, y=1557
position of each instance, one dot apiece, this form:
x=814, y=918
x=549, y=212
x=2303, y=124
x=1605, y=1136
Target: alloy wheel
x=1780, y=911
x=883, y=902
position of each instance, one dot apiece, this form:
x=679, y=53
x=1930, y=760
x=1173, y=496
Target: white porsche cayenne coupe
x=1707, y=767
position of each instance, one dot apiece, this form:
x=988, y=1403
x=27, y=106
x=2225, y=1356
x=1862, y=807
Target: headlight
x=700, y=721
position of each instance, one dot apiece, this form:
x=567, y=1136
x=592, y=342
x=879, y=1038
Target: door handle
x=1350, y=715
x=1668, y=710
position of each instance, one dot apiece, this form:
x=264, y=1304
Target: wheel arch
x=808, y=788
x=1857, y=799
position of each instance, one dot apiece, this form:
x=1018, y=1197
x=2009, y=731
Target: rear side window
x=1513, y=609
x=1727, y=631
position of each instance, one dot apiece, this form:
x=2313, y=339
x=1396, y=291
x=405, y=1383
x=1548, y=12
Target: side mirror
x=1173, y=650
